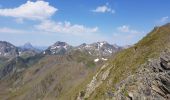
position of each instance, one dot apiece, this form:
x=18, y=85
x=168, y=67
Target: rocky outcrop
x=95, y=82
x=151, y=82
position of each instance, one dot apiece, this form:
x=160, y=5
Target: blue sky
x=43, y=23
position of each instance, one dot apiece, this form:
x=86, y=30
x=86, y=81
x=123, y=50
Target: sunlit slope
x=127, y=61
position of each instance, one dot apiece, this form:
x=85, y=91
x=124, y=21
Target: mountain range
x=97, y=71
x=20, y=60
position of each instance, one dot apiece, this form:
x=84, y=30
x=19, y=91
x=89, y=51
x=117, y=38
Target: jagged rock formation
x=151, y=82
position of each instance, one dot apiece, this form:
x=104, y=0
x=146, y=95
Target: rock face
x=59, y=48
x=8, y=50
x=100, y=49
x=151, y=82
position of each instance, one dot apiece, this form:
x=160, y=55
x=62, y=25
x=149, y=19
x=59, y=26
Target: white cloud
x=104, y=9
x=11, y=31
x=164, y=19
x=47, y=37
x=8, y=30
x=131, y=36
x=38, y=10
x=66, y=27
x=127, y=29
x=42, y=11
x=123, y=28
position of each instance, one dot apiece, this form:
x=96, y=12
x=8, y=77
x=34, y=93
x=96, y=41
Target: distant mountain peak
x=102, y=48
x=58, y=48
x=60, y=44
x=28, y=45
x=104, y=42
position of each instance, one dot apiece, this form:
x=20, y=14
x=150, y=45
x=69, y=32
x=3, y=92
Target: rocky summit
x=101, y=49
x=8, y=50
x=58, y=48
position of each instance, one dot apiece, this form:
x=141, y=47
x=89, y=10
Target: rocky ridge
x=102, y=50
x=151, y=82
x=132, y=72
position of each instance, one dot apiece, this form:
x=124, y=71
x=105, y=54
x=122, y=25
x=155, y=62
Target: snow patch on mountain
x=104, y=59
x=99, y=48
x=96, y=60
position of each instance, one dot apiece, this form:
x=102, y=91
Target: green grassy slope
x=127, y=61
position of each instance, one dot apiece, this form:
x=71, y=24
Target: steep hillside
x=125, y=63
x=52, y=77
x=10, y=67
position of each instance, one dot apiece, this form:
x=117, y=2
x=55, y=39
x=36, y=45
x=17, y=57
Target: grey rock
x=150, y=82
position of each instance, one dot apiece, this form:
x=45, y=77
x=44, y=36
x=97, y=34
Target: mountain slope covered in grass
x=126, y=63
